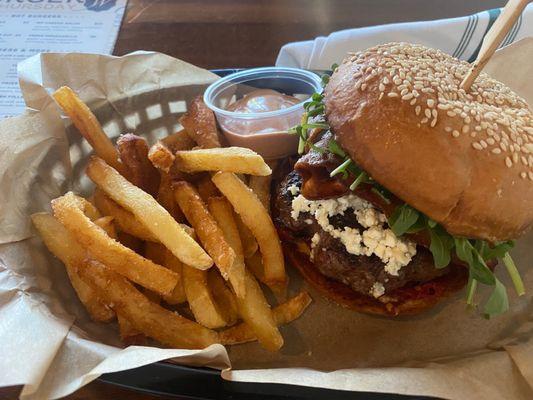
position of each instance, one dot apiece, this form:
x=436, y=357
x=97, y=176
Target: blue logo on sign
x=99, y=5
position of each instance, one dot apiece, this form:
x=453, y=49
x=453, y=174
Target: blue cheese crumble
x=374, y=239
x=377, y=290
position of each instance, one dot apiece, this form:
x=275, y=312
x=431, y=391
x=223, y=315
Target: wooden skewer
x=493, y=38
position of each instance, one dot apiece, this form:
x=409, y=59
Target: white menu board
x=28, y=27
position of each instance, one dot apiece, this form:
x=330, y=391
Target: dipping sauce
x=263, y=100
x=255, y=108
x=269, y=131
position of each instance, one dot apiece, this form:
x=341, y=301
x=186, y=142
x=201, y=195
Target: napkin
x=460, y=37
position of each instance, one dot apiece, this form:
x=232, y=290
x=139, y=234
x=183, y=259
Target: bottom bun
x=404, y=301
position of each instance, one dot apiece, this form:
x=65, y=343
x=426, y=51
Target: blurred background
x=249, y=33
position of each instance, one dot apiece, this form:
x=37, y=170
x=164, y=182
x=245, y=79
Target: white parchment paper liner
x=48, y=343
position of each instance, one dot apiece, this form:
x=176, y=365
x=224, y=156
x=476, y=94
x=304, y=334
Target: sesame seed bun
x=465, y=159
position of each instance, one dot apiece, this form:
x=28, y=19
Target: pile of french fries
x=175, y=237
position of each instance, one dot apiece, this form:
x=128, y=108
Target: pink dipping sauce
x=270, y=137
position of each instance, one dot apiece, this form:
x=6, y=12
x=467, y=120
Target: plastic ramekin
x=243, y=129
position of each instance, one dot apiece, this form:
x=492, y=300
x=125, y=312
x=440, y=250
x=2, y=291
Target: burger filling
x=349, y=240
x=362, y=235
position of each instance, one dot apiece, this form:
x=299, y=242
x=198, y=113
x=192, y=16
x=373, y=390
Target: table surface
x=244, y=33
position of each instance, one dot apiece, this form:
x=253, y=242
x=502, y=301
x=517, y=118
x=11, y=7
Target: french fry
x=145, y=316
x=87, y=124
x=131, y=242
x=256, y=218
x=283, y=314
x=152, y=296
x=223, y=214
x=63, y=245
x=255, y=264
x=201, y=125
x=133, y=151
x=206, y=228
x=148, y=211
x=69, y=210
x=165, y=197
x=238, y=160
x=178, y=293
x=206, y=188
x=223, y=296
x=161, y=154
x=261, y=187
x=189, y=230
x=161, y=157
x=106, y=223
x=178, y=141
x=201, y=301
x=125, y=220
x=256, y=312
x=154, y=252
x=249, y=244
x=129, y=335
x=162, y=256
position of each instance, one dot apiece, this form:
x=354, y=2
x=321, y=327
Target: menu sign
x=28, y=27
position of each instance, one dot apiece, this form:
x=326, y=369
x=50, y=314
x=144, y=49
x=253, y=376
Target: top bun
x=465, y=159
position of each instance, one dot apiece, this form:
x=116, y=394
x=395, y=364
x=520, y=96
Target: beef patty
x=330, y=256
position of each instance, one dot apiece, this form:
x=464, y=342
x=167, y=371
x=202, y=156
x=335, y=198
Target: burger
x=408, y=188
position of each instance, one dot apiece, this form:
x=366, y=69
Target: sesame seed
x=508, y=162
x=530, y=175
x=489, y=106
x=523, y=175
x=477, y=146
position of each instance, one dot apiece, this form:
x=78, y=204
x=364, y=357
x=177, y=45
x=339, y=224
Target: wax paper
x=49, y=344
